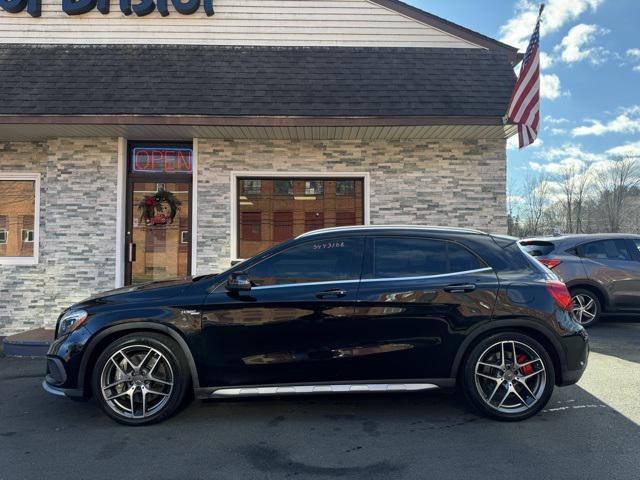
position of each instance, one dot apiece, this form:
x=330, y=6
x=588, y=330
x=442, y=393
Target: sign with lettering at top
x=141, y=8
x=162, y=160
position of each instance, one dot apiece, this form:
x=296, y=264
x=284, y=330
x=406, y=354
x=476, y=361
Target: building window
x=19, y=218
x=314, y=187
x=283, y=187
x=345, y=188
x=251, y=187
x=286, y=207
x=27, y=236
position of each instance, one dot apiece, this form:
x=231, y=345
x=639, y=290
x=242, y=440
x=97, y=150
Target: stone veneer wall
x=77, y=229
x=459, y=183
x=438, y=182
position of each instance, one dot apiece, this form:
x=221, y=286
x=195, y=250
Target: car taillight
x=550, y=263
x=560, y=294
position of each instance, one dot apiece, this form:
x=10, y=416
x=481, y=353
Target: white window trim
x=32, y=260
x=234, y=175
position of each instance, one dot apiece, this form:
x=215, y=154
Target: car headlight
x=71, y=321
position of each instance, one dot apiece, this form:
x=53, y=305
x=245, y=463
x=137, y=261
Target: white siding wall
x=236, y=22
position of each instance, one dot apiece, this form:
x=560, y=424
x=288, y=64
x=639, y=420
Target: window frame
x=235, y=176
x=31, y=177
x=368, y=266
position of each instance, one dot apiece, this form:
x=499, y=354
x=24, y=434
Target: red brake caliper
x=527, y=369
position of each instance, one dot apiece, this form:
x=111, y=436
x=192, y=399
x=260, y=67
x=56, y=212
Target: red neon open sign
x=163, y=160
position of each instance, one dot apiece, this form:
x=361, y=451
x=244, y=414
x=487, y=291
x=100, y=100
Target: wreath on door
x=153, y=208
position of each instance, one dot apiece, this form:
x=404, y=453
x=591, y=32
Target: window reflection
x=17, y=209
x=275, y=210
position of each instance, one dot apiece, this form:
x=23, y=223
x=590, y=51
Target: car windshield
x=537, y=248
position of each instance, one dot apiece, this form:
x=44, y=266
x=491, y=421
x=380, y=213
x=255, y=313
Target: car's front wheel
x=508, y=376
x=140, y=378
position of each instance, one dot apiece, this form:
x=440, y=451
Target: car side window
x=417, y=257
x=323, y=260
x=605, y=250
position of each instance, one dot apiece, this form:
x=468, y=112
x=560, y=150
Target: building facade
x=145, y=144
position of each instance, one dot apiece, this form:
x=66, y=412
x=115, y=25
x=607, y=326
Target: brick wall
x=77, y=229
x=436, y=182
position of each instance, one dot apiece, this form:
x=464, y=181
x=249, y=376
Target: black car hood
x=133, y=291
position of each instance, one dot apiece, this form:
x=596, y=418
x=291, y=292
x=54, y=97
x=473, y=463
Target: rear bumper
x=576, y=349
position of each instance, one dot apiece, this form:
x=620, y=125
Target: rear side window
x=605, y=250
x=417, y=257
x=315, y=261
x=537, y=248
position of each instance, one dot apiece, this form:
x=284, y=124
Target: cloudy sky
x=590, y=75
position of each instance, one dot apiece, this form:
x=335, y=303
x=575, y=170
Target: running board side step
x=307, y=389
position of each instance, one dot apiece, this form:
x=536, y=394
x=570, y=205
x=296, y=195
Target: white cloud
x=555, y=121
x=546, y=60
x=631, y=149
x=577, y=46
x=557, y=160
x=627, y=122
x=558, y=13
x=634, y=55
x=550, y=87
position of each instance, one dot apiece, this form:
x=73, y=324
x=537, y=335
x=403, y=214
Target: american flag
x=524, y=107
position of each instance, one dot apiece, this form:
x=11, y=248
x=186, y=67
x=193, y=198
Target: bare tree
x=536, y=199
x=615, y=186
x=574, y=181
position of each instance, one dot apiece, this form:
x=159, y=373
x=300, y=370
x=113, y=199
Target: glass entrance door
x=158, y=237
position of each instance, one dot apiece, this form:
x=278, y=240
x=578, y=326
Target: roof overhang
x=135, y=127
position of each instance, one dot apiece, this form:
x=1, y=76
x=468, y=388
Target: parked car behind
x=602, y=271
x=351, y=309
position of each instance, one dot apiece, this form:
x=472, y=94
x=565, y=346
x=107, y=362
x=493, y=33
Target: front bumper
x=63, y=365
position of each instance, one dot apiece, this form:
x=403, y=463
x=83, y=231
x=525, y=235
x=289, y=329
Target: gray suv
x=601, y=271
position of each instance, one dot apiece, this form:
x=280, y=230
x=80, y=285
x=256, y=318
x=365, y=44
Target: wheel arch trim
x=498, y=325
x=136, y=327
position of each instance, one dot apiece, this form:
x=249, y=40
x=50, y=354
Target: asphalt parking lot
x=588, y=431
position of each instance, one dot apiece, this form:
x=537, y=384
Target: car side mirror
x=238, y=281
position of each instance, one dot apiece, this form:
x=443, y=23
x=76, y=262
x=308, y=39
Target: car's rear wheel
x=508, y=376
x=140, y=378
x=586, y=308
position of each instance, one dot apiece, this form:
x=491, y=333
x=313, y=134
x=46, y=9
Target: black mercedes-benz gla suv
x=355, y=309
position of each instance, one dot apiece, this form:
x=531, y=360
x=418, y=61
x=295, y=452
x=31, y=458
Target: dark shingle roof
x=253, y=81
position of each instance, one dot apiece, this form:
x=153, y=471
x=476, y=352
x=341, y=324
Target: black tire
x=597, y=307
x=476, y=392
x=172, y=364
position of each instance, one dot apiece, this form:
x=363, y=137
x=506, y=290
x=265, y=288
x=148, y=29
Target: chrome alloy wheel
x=584, y=309
x=510, y=377
x=137, y=381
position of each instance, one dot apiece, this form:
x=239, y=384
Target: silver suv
x=602, y=271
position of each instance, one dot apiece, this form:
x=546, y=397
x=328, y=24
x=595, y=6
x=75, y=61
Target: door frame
x=131, y=178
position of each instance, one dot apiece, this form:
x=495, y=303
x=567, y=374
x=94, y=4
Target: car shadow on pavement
x=616, y=337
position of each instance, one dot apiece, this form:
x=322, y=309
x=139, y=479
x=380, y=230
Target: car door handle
x=336, y=293
x=460, y=288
